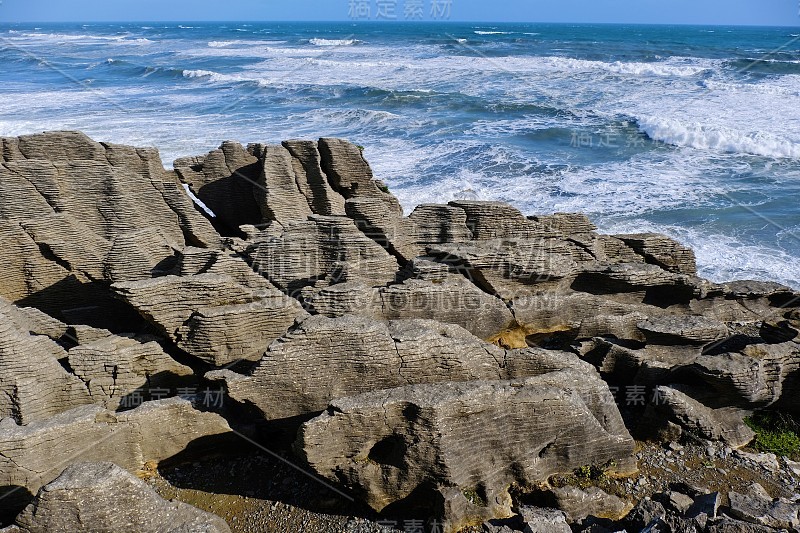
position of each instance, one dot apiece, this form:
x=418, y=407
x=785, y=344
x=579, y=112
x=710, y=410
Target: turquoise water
x=691, y=131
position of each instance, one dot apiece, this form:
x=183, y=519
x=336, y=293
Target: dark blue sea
x=690, y=131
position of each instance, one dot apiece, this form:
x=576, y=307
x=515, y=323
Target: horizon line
x=403, y=22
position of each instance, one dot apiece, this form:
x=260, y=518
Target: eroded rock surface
x=418, y=443
x=104, y=497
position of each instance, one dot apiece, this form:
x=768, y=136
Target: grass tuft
x=775, y=433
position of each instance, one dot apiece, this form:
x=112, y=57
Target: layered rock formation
x=104, y=497
x=436, y=359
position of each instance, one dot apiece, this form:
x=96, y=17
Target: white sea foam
x=333, y=42
x=482, y=32
x=719, y=138
x=242, y=43
x=216, y=77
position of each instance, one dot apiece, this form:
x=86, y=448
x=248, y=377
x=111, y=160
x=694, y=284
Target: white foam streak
x=718, y=138
x=333, y=42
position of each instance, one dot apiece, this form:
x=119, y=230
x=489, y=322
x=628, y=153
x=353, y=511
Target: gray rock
x=326, y=248
x=646, y=512
x=539, y=520
x=662, y=251
x=34, y=454
x=757, y=508
x=294, y=376
x=114, y=367
x=448, y=298
x=97, y=497
x=212, y=317
x=224, y=181
x=578, y=504
x=385, y=445
x=34, y=385
x=682, y=330
x=705, y=504
x=725, y=425
x=729, y=525
x=68, y=206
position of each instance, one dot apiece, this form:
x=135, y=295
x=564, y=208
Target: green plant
x=383, y=187
x=775, y=433
x=475, y=497
x=360, y=147
x=591, y=472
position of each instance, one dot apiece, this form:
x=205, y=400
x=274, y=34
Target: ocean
x=689, y=131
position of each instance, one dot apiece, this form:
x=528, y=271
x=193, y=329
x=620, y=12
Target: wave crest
x=333, y=42
x=707, y=137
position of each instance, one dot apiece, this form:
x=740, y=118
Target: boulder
x=115, y=368
x=211, y=316
x=443, y=444
x=447, y=298
x=757, y=507
x=157, y=430
x=326, y=248
x=662, y=251
x=103, y=497
x=224, y=181
x=34, y=385
x=673, y=406
x=578, y=504
x=538, y=520
x=686, y=329
x=294, y=376
x=755, y=376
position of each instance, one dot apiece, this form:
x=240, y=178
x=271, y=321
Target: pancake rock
x=34, y=454
x=212, y=316
x=104, y=497
x=415, y=447
x=294, y=376
x=77, y=213
x=436, y=294
x=34, y=385
x=119, y=370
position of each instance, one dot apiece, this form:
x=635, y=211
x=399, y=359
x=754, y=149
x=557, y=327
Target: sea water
x=690, y=131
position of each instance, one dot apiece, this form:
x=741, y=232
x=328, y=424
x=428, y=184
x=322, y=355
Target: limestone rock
x=294, y=376
x=578, y=504
x=565, y=224
x=726, y=424
x=450, y=298
x=311, y=179
x=686, y=329
x=212, y=316
x=34, y=454
x=224, y=180
x=643, y=514
x=662, y=251
x=537, y=520
x=497, y=220
x=322, y=248
x=115, y=367
x=67, y=203
x=754, y=377
x=761, y=510
x=34, y=385
x=437, y=224
x=276, y=192
x=103, y=497
x=400, y=444
x=508, y=267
